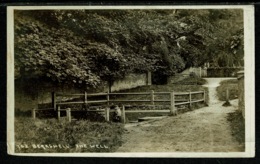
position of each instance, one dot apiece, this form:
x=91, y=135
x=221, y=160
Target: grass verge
x=191, y=80
x=50, y=135
x=237, y=124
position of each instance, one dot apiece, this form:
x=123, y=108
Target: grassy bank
x=49, y=135
x=231, y=85
x=191, y=80
x=237, y=124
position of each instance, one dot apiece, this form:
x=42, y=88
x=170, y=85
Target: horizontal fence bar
x=170, y=100
x=66, y=94
x=102, y=110
x=131, y=93
x=162, y=93
x=182, y=103
x=146, y=106
x=44, y=109
x=97, y=101
x=194, y=101
x=126, y=111
x=67, y=103
x=97, y=94
x=126, y=93
x=180, y=93
x=197, y=92
x=147, y=111
x=129, y=100
x=104, y=101
x=144, y=100
x=162, y=101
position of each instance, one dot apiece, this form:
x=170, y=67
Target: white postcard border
x=249, y=52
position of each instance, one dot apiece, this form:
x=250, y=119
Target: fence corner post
x=107, y=111
x=123, y=114
x=33, y=113
x=173, y=110
x=68, y=113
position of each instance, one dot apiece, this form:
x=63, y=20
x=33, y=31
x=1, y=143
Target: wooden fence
x=88, y=99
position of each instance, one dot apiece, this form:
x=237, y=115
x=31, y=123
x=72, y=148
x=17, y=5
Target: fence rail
x=151, y=100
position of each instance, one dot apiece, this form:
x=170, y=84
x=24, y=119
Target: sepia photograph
x=131, y=81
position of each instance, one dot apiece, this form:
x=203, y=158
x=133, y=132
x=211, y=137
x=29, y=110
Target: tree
x=87, y=47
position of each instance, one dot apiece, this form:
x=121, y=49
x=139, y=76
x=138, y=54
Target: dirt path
x=212, y=84
x=201, y=130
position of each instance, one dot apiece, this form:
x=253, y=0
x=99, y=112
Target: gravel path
x=201, y=130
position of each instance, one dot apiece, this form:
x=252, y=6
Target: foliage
x=89, y=46
x=49, y=52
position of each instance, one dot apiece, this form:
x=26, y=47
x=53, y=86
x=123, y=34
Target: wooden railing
x=88, y=99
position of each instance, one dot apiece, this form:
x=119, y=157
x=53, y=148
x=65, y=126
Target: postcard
x=131, y=81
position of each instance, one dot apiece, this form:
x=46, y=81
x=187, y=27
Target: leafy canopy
x=90, y=46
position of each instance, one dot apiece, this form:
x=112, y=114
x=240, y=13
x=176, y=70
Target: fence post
x=173, y=110
x=149, y=78
x=200, y=71
x=54, y=100
x=152, y=97
x=190, y=99
x=107, y=113
x=33, y=113
x=204, y=96
x=107, y=97
x=58, y=113
x=227, y=95
x=85, y=98
x=227, y=103
x=68, y=113
x=123, y=114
